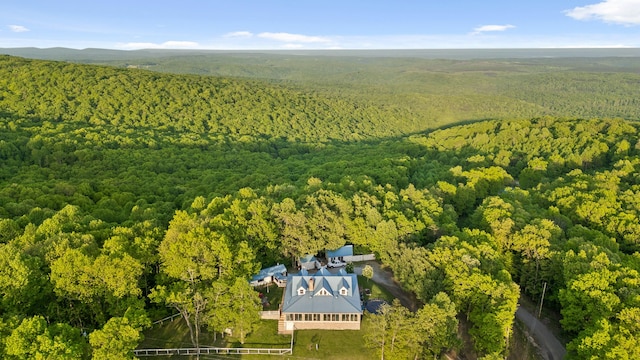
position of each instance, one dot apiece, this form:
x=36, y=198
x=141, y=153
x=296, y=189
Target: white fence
x=216, y=350
x=211, y=350
x=357, y=258
x=168, y=318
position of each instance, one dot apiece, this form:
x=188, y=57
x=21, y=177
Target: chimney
x=311, y=284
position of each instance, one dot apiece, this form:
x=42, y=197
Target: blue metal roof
x=346, y=250
x=313, y=302
x=307, y=259
x=270, y=271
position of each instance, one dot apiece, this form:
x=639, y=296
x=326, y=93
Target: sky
x=319, y=24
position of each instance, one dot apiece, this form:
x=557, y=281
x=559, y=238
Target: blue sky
x=319, y=24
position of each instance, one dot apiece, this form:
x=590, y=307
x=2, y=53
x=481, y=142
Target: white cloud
x=239, y=34
x=164, y=45
x=294, y=38
x=18, y=28
x=179, y=44
x=486, y=28
x=625, y=12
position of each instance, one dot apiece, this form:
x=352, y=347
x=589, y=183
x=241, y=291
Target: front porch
x=322, y=321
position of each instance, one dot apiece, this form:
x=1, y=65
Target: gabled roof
x=307, y=259
x=346, y=250
x=301, y=284
x=325, y=285
x=270, y=271
x=345, y=284
x=313, y=302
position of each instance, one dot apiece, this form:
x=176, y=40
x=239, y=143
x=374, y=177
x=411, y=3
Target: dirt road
x=552, y=348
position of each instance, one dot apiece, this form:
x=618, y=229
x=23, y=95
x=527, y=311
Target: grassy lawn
x=266, y=337
x=337, y=344
x=274, y=296
x=377, y=291
x=175, y=334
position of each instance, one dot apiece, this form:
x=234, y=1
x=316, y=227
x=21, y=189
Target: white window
x=343, y=291
x=301, y=291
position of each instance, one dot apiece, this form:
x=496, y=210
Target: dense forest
x=125, y=192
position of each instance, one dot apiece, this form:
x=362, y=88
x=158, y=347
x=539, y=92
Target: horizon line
x=612, y=47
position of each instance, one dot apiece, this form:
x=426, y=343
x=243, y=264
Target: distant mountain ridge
x=96, y=54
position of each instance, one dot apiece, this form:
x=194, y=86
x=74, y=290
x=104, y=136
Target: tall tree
x=327, y=216
x=22, y=282
x=437, y=326
x=376, y=335
x=244, y=308
x=392, y=332
x=193, y=256
x=35, y=339
x=116, y=340
x=367, y=271
x=296, y=239
x=218, y=314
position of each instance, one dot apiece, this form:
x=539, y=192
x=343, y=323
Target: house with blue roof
x=323, y=300
x=275, y=274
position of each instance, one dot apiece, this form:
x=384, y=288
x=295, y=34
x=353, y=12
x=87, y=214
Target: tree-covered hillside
x=446, y=87
x=124, y=192
x=199, y=108
x=429, y=88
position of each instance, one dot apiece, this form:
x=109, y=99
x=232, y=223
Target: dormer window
x=301, y=291
x=343, y=291
x=323, y=292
